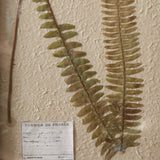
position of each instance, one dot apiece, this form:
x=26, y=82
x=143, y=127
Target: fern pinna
x=123, y=51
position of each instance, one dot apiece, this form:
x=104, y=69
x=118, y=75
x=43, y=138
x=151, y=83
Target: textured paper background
x=39, y=91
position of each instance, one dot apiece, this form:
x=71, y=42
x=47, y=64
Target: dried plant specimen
x=113, y=121
x=123, y=51
x=12, y=63
x=77, y=70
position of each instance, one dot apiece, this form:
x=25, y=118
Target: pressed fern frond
x=112, y=124
x=76, y=68
x=122, y=49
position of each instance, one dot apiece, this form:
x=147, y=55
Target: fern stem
x=12, y=63
x=124, y=73
x=80, y=78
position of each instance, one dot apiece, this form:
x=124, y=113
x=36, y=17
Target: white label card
x=47, y=141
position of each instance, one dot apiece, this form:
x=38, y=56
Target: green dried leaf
x=61, y=53
x=114, y=18
x=48, y=25
x=97, y=96
x=42, y=8
x=111, y=153
x=133, y=99
x=110, y=1
x=79, y=95
x=56, y=44
x=132, y=131
x=115, y=96
x=71, y=45
x=114, y=58
x=132, y=137
x=134, y=105
x=101, y=103
x=88, y=74
x=131, y=40
x=130, y=45
x=78, y=54
x=109, y=118
x=93, y=126
x=133, y=65
x=95, y=89
x=116, y=70
x=39, y=1
x=131, y=58
x=100, y=139
x=91, y=82
x=134, y=71
x=84, y=111
x=81, y=102
x=74, y=87
x=133, y=92
x=133, y=111
x=111, y=41
x=127, y=36
x=114, y=52
x=130, y=117
x=132, y=124
x=132, y=79
x=134, y=85
x=127, y=8
x=117, y=76
x=90, y=117
x=72, y=79
x=105, y=148
x=84, y=68
x=133, y=51
x=114, y=65
x=80, y=61
x=114, y=81
x=115, y=88
x=66, y=62
x=51, y=34
x=110, y=13
x=111, y=35
x=64, y=27
x=110, y=24
x=46, y=16
x=116, y=46
x=128, y=19
x=128, y=2
x=97, y=132
x=69, y=35
x=127, y=13
x=130, y=30
x=68, y=71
